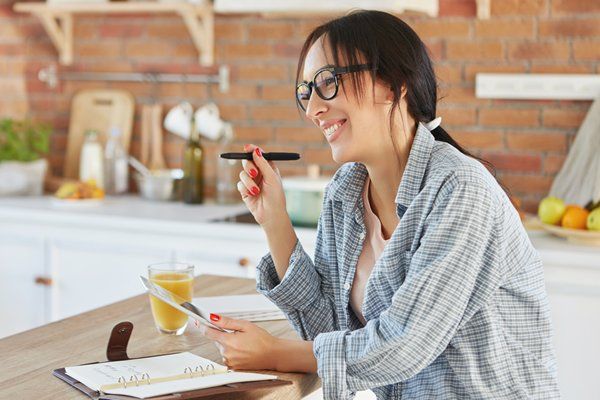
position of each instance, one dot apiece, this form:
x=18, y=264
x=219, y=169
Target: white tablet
x=178, y=303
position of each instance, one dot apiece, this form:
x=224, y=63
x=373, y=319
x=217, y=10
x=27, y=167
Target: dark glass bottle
x=193, y=169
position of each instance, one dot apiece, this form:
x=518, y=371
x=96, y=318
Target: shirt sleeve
x=451, y=274
x=305, y=294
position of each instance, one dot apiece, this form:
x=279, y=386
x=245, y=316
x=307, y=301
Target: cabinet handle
x=43, y=280
x=244, y=262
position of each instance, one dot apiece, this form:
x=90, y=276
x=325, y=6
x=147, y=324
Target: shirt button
x=346, y=286
x=362, y=235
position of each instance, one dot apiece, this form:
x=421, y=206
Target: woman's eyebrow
x=318, y=69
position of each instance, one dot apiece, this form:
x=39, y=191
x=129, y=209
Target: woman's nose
x=316, y=105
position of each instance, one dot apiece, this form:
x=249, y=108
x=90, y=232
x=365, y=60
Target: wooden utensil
x=98, y=110
x=157, y=161
x=145, y=134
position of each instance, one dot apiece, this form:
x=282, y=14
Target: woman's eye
x=326, y=82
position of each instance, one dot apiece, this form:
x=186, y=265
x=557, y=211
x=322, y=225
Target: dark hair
x=398, y=57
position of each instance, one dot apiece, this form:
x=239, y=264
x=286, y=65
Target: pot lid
x=304, y=183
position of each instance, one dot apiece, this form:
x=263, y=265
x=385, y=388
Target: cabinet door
x=22, y=300
x=232, y=249
x=88, y=276
x=574, y=296
x=223, y=257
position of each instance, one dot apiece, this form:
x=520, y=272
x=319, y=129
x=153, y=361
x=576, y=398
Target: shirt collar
x=418, y=158
x=349, y=187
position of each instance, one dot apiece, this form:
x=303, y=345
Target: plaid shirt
x=455, y=306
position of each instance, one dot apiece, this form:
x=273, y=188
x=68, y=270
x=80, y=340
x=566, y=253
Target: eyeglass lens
x=325, y=85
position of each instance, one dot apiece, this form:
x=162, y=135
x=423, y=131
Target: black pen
x=272, y=156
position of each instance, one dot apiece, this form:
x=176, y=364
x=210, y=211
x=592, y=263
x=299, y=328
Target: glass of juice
x=179, y=279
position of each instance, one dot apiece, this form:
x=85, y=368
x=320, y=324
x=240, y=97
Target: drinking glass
x=177, y=278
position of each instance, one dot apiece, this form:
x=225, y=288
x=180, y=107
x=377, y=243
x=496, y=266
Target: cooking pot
x=304, y=198
x=163, y=184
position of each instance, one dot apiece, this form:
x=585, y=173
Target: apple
x=593, y=220
x=551, y=210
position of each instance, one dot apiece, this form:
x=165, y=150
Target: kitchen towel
x=578, y=181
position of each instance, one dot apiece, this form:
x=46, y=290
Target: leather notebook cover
x=192, y=394
x=117, y=350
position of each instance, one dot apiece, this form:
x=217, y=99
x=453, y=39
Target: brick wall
x=526, y=140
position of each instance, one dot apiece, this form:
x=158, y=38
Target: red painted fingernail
x=255, y=190
x=214, y=317
x=258, y=152
x=253, y=173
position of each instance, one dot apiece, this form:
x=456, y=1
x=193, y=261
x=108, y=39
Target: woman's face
x=362, y=132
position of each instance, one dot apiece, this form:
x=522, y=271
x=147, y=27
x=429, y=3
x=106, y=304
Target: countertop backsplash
x=527, y=141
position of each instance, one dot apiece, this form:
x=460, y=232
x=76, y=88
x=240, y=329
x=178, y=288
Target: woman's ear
x=390, y=94
x=403, y=92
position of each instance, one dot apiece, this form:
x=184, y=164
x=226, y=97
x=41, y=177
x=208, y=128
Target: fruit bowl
x=577, y=236
x=57, y=202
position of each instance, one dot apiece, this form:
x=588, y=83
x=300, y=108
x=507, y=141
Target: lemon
x=66, y=190
x=551, y=210
x=593, y=220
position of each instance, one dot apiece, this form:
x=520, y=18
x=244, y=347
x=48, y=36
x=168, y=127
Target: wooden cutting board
x=99, y=110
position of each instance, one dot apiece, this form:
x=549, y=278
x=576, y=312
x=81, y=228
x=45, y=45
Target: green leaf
x=23, y=140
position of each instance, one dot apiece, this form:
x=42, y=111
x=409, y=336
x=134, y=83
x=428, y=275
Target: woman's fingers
x=249, y=166
x=258, y=163
x=266, y=168
x=251, y=186
x=214, y=334
x=250, y=169
x=243, y=190
x=228, y=323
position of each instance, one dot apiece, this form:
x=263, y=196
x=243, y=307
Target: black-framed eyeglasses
x=325, y=82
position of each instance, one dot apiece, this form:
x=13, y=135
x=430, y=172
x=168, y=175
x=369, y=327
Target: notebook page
x=96, y=375
x=239, y=304
x=183, y=385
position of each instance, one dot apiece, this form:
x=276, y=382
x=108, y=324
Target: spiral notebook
x=149, y=377
x=251, y=307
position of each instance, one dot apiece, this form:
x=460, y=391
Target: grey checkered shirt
x=455, y=306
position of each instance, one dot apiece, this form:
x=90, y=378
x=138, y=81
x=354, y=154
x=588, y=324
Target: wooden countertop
x=28, y=358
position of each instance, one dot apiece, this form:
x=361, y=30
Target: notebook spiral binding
x=144, y=379
x=202, y=372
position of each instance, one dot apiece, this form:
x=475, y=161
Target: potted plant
x=23, y=145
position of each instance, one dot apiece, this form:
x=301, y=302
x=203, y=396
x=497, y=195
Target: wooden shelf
x=278, y=8
x=57, y=19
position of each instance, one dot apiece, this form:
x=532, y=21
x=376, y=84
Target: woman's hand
x=248, y=347
x=261, y=188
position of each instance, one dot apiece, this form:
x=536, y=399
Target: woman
x=424, y=282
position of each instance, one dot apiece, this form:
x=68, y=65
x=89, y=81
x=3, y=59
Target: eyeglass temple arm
x=354, y=68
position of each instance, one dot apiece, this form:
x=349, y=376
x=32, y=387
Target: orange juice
x=166, y=317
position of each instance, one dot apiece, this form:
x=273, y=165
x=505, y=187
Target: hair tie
x=434, y=123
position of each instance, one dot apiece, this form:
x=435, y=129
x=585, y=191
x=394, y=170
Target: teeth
x=329, y=131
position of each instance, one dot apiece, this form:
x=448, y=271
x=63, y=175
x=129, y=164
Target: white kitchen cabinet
x=22, y=300
x=572, y=275
x=223, y=257
x=85, y=258
x=89, y=274
x=90, y=258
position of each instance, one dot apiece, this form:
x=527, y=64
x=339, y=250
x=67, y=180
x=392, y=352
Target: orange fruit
x=575, y=217
x=569, y=206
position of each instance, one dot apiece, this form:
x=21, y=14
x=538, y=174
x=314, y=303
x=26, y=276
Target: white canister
x=91, y=164
x=304, y=199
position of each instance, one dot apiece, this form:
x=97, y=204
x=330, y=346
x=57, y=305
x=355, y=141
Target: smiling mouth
x=331, y=130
